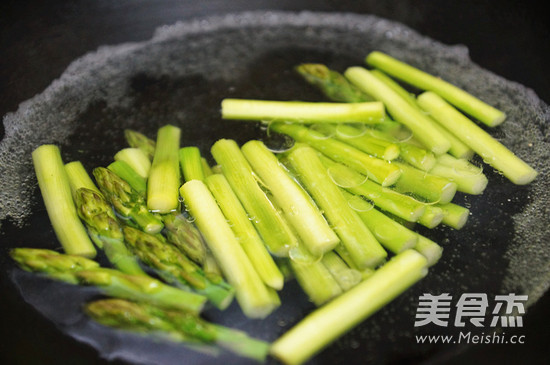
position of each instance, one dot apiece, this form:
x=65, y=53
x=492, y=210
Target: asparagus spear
x=137, y=159
x=296, y=204
x=56, y=193
x=344, y=275
x=455, y=216
x=78, y=270
x=78, y=177
x=327, y=323
x=316, y=281
x=254, y=297
x=354, y=235
x=183, y=234
x=383, y=172
x=128, y=174
x=422, y=80
x=128, y=203
x=332, y=83
x=492, y=151
x=136, y=139
x=433, y=188
x=164, y=176
x=175, y=268
x=302, y=112
x=105, y=230
x=191, y=163
x=245, y=232
x=400, y=109
x=271, y=225
x=177, y=325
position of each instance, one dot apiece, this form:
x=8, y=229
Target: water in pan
x=180, y=77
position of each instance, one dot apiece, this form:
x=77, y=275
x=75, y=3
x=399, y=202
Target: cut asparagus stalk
x=128, y=203
x=387, y=199
x=400, y=109
x=344, y=275
x=298, y=207
x=79, y=177
x=466, y=182
x=245, y=232
x=316, y=281
x=458, y=148
x=56, y=193
x=332, y=83
x=429, y=249
x=392, y=235
x=455, y=216
x=185, y=236
x=433, y=215
x=136, y=139
x=302, y=112
x=179, y=326
x=492, y=151
x=325, y=324
x=254, y=297
x=164, y=176
x=137, y=159
x=423, y=80
x=433, y=188
x=383, y=172
x=128, y=174
x=207, y=170
x=176, y=268
x=416, y=156
x=105, y=231
x=354, y=235
x=355, y=137
x=273, y=228
x=191, y=163
x=79, y=270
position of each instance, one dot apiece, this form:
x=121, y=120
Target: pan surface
x=180, y=77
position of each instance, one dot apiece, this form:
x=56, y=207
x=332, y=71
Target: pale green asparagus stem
x=433, y=215
x=245, y=232
x=433, y=188
x=344, y=275
x=164, y=176
x=56, y=193
x=381, y=171
x=254, y=297
x=128, y=174
x=316, y=281
x=455, y=216
x=207, y=170
x=492, y=151
x=327, y=323
x=273, y=228
x=298, y=207
x=191, y=163
x=429, y=249
x=467, y=182
x=400, y=109
x=185, y=236
x=79, y=177
x=302, y=112
x=354, y=235
x=137, y=159
x=422, y=80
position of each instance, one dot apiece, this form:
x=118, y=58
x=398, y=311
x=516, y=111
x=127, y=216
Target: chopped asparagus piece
x=179, y=326
x=176, y=268
x=433, y=188
x=254, y=297
x=128, y=174
x=137, y=159
x=207, y=170
x=191, y=163
x=468, y=182
x=78, y=270
x=400, y=109
x=344, y=275
x=354, y=235
x=56, y=193
x=298, y=207
x=185, y=236
x=316, y=281
x=422, y=80
x=383, y=172
x=455, y=216
x=327, y=323
x=433, y=215
x=79, y=177
x=128, y=203
x=245, y=232
x=492, y=151
x=164, y=176
x=273, y=228
x=429, y=249
x=302, y=112
x=332, y=83
x=136, y=139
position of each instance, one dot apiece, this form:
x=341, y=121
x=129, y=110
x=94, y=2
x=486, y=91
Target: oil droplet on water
x=360, y=204
x=351, y=130
x=340, y=176
x=276, y=142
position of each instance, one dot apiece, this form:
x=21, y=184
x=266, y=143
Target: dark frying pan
x=181, y=75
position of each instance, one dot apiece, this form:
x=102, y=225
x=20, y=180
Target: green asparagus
x=183, y=234
x=136, y=139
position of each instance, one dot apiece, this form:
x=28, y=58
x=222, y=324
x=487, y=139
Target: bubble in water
x=300, y=255
x=360, y=204
x=340, y=176
x=351, y=130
